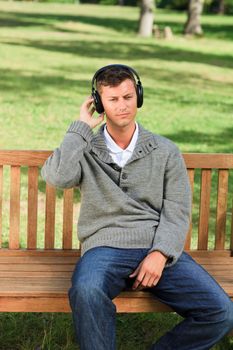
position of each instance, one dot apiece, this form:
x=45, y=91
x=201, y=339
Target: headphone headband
x=99, y=71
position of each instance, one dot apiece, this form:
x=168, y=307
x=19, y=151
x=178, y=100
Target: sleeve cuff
x=171, y=260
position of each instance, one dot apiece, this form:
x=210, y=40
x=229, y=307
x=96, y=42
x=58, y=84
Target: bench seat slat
x=62, y=286
x=60, y=304
x=40, y=253
x=30, y=274
x=42, y=260
x=67, y=273
x=25, y=268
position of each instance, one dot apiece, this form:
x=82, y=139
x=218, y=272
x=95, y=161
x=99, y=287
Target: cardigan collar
x=146, y=142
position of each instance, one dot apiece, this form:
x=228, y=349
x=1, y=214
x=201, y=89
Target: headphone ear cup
x=97, y=102
x=139, y=95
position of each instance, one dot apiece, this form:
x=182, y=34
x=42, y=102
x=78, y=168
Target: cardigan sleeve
x=63, y=167
x=174, y=220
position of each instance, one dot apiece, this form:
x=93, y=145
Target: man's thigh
x=106, y=268
x=189, y=289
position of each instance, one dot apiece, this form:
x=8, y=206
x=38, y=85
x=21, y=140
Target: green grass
x=49, y=53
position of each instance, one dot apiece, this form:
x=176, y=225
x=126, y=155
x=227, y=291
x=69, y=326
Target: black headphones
x=97, y=99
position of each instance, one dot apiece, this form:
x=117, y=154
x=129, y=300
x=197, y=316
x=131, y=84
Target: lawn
x=48, y=55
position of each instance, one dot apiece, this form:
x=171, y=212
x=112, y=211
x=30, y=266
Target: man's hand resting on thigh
x=149, y=270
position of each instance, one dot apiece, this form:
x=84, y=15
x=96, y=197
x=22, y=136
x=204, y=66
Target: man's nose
x=122, y=105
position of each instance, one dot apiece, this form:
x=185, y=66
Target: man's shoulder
x=163, y=142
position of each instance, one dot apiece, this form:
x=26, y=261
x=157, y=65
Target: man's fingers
x=136, y=284
x=92, y=110
x=88, y=101
x=152, y=281
x=146, y=280
x=139, y=279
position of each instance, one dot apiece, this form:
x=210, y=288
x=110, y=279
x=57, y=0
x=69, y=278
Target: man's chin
x=121, y=123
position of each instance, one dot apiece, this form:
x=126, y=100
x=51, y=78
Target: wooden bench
x=35, y=275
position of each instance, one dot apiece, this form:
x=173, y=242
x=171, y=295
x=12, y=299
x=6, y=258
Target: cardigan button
x=124, y=176
x=124, y=189
x=116, y=167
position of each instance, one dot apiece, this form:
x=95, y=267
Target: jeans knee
x=223, y=314
x=84, y=292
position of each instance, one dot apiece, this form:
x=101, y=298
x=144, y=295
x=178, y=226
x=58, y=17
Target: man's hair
x=114, y=76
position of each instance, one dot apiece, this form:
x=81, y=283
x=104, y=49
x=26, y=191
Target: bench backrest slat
x=1, y=192
x=50, y=217
x=14, y=207
x=191, y=173
x=32, y=207
x=231, y=242
x=223, y=176
x=203, y=227
x=67, y=218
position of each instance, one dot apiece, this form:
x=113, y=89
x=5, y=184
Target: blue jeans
x=102, y=273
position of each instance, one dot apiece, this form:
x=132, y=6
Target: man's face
x=120, y=103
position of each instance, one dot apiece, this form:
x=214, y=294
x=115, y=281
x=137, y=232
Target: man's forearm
x=62, y=169
x=173, y=226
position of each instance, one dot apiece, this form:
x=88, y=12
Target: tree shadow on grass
x=26, y=83
x=11, y=19
x=15, y=19
x=214, y=141
x=124, y=51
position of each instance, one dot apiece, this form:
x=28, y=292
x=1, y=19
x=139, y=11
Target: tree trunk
x=221, y=7
x=218, y=7
x=193, y=24
x=146, y=18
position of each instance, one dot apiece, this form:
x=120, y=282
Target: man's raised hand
x=87, y=111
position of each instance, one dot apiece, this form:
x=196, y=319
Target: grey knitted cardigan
x=145, y=204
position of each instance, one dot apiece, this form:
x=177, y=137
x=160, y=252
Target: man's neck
x=122, y=136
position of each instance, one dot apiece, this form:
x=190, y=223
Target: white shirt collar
x=111, y=144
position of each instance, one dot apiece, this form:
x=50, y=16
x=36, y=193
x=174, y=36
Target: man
x=134, y=216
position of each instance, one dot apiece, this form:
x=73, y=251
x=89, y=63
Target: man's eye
x=128, y=97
